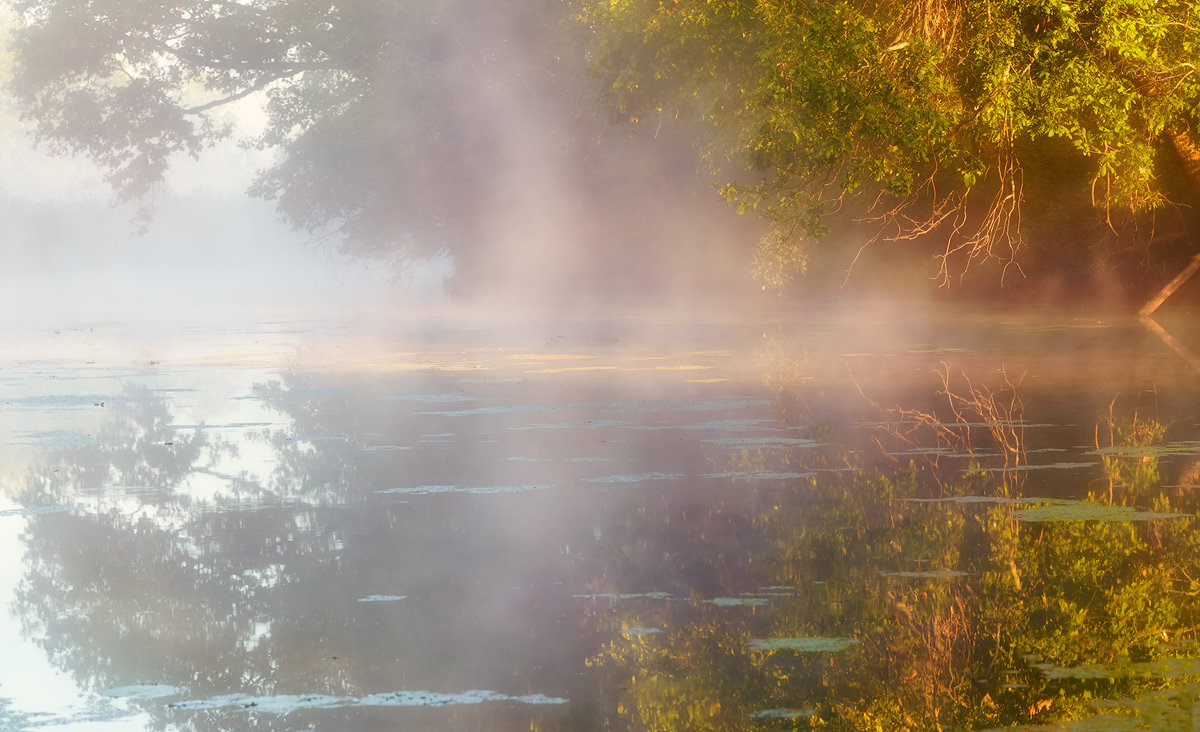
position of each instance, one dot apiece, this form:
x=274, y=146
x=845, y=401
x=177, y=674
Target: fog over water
x=568, y=468
x=72, y=255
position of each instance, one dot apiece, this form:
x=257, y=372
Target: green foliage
x=915, y=106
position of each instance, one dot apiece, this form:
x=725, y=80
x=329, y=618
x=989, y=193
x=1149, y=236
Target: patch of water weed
x=638, y=630
x=1042, y=466
x=984, y=499
x=501, y=409
x=288, y=703
x=639, y=478
x=624, y=596
x=761, y=475
x=90, y=717
x=929, y=574
x=731, y=425
x=1159, y=709
x=591, y=423
x=223, y=426
x=424, y=490
x=35, y=510
x=1173, y=448
x=382, y=598
x=1163, y=668
x=939, y=452
x=766, y=441
x=60, y=401
x=806, y=644
x=430, y=398
x=720, y=405
x=1084, y=511
x=141, y=691
x=736, y=601
x=783, y=714
x=53, y=438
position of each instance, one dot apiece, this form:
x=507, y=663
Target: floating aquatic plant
x=625, y=596
x=35, y=510
x=736, y=601
x=783, y=714
x=809, y=644
x=287, y=703
x=1083, y=511
x=761, y=475
x=141, y=691
x=634, y=478
x=425, y=490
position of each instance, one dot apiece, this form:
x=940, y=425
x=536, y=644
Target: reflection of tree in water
x=835, y=597
x=180, y=567
x=146, y=579
x=917, y=597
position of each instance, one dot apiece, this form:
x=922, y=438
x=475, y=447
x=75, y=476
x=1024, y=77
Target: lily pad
x=761, y=475
x=783, y=714
x=736, y=601
x=625, y=596
x=35, y=510
x=287, y=703
x=635, y=478
x=809, y=644
x=1083, y=511
x=141, y=691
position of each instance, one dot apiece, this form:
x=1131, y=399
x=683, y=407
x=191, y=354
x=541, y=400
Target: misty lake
x=914, y=521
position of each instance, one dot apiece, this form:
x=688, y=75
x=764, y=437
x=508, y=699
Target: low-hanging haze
x=602, y=222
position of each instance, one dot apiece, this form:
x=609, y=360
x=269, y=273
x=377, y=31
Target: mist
x=543, y=204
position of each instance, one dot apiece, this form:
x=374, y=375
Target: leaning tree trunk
x=1189, y=155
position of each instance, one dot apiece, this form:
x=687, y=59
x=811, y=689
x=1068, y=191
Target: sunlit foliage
x=922, y=119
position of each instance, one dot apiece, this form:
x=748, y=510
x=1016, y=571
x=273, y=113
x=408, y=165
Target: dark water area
x=964, y=521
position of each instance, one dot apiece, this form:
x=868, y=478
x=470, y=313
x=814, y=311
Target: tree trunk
x=1189, y=155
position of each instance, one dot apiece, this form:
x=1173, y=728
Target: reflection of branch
x=1170, y=340
x=999, y=410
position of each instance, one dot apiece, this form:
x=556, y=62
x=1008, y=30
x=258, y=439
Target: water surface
x=978, y=522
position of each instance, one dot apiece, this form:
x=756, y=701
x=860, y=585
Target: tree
x=399, y=129
x=369, y=131
x=922, y=119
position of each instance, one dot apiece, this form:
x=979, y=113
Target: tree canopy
x=921, y=118
x=369, y=130
x=398, y=130
x=422, y=129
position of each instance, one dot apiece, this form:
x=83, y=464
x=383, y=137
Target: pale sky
x=71, y=253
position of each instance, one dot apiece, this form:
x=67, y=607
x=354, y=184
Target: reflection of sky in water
x=32, y=690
